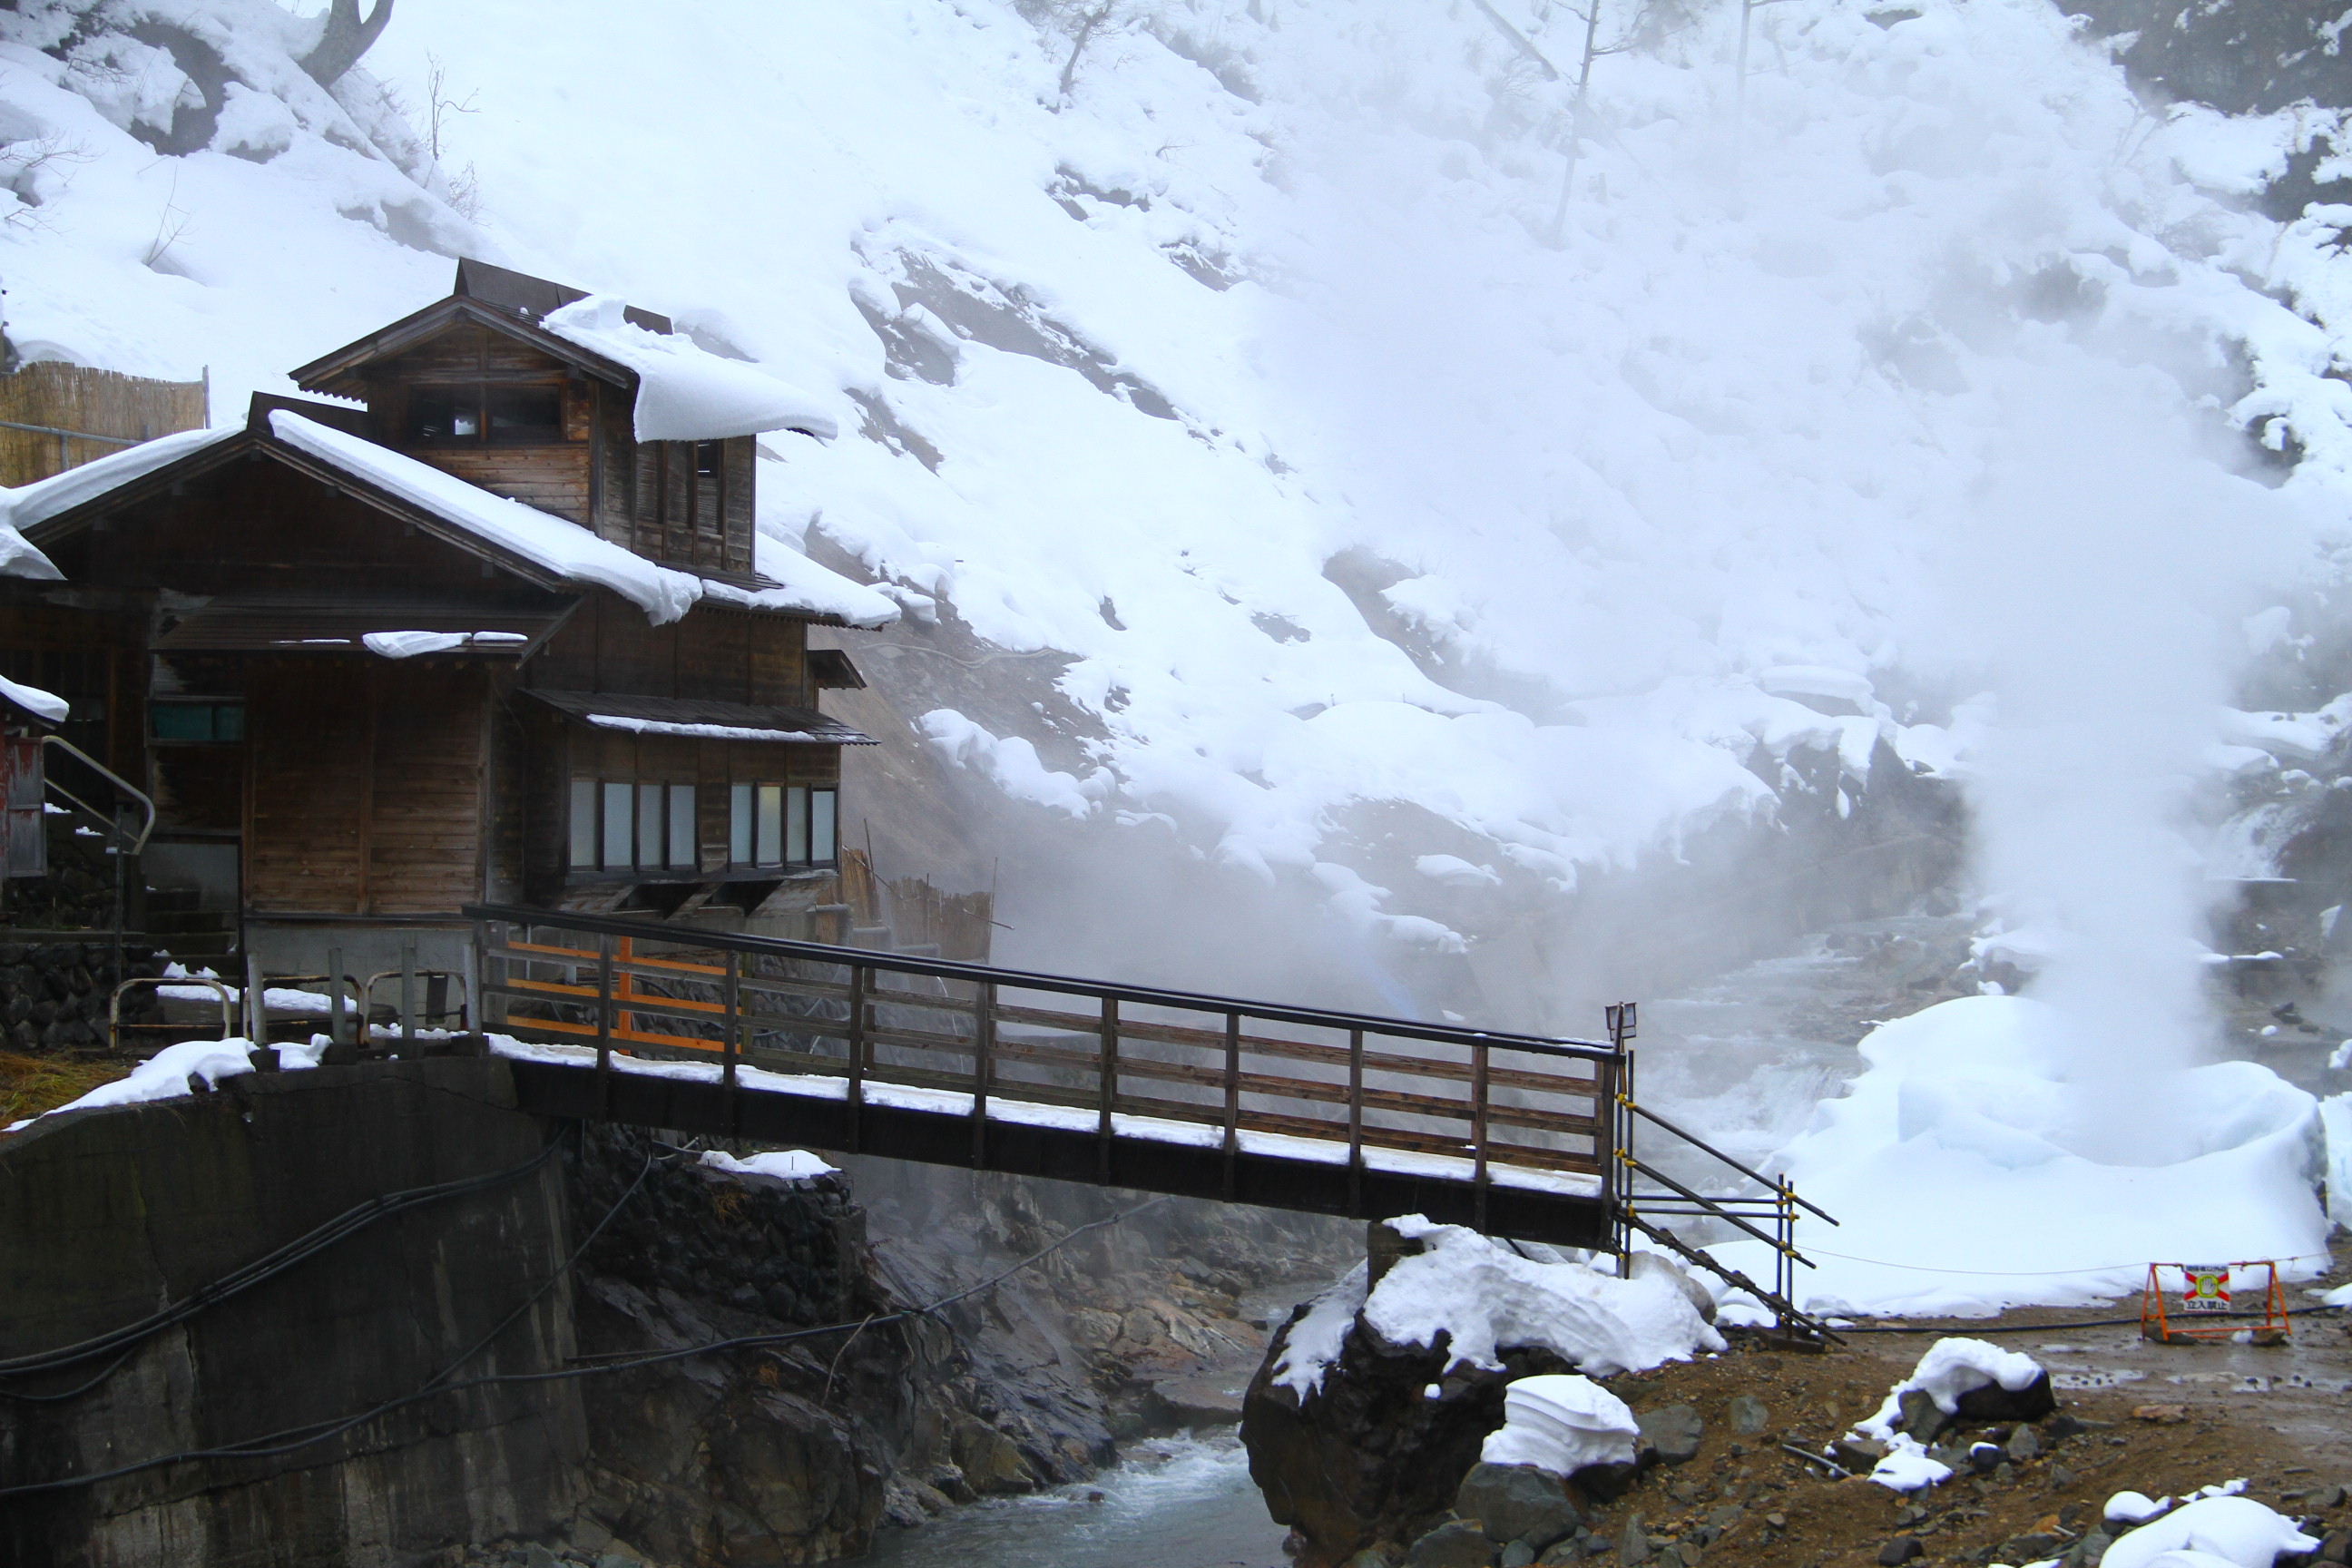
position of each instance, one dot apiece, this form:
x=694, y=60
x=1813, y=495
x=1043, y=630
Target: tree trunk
x=344, y=40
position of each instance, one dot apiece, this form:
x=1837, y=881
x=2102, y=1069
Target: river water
x=1171, y=1502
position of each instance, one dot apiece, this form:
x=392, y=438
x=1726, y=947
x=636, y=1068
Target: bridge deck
x=987, y=1068
x=1154, y=1154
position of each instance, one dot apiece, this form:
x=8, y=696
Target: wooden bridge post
x=1233, y=1100
x=856, y=1098
x=1355, y=1124
x=1478, y=1134
x=732, y=996
x=983, y=1048
x=604, y=1023
x=1109, y=1085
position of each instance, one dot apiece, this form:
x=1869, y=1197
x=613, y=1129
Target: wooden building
x=491, y=627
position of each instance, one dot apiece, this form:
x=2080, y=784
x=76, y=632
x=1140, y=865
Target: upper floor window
x=709, y=458
x=469, y=415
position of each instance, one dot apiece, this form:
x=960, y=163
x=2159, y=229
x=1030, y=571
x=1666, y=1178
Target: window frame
x=600, y=811
x=456, y=392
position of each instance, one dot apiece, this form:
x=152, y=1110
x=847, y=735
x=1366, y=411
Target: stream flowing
x=1171, y=1502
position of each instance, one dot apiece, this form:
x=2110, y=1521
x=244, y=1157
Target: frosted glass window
x=822, y=804
x=620, y=820
x=796, y=824
x=651, y=814
x=739, y=824
x=682, y=856
x=583, y=822
x=772, y=825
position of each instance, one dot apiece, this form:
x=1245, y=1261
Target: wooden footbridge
x=962, y=1064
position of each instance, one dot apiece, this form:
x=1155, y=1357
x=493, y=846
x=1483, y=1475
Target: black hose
x=296, y=1437
x=237, y=1281
x=2051, y=1328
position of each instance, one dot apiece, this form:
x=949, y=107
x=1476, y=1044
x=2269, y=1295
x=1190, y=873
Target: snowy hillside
x=1927, y=400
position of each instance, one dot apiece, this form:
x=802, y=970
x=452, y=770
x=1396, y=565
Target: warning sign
x=2205, y=1287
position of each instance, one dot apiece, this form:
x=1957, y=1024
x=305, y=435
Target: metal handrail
x=1698, y=1142
x=110, y=776
x=986, y=975
x=114, y=1004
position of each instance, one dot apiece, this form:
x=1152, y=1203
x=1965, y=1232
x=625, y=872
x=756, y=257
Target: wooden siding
x=313, y=742
x=680, y=518
x=425, y=842
x=552, y=479
x=724, y=655
x=366, y=789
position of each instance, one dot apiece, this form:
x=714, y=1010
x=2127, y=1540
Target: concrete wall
x=105, y=1216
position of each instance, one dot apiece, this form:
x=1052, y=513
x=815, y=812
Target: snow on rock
x=1907, y=1467
x=1484, y=1298
x=1950, y=1368
x=1561, y=1423
x=685, y=393
x=2335, y=1117
x=790, y=1165
x=2134, y=1508
x=1009, y=763
x=2237, y=1531
x=166, y=1074
x=32, y=700
x=1970, y=1110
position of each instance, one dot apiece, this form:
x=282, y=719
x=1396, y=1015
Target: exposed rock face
x=783, y=1454
x=1372, y=1455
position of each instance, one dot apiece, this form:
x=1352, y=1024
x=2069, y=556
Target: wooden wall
x=680, y=518
x=366, y=787
x=715, y=653
x=554, y=478
x=74, y=397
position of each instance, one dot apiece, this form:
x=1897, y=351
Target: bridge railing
x=1121, y=1061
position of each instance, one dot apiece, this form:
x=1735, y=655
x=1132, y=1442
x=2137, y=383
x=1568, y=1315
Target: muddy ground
x=2278, y=1417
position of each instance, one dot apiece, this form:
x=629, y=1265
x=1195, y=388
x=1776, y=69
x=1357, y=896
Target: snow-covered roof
x=46, y=499
x=685, y=393
x=32, y=700
x=570, y=550
x=566, y=549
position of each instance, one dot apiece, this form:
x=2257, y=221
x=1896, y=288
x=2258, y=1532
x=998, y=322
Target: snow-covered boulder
x=1378, y=1398
x=2235, y=1531
x=1963, y=1380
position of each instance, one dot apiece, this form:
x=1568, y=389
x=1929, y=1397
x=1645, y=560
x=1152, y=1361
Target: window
x=709, y=458
x=682, y=854
x=467, y=416
x=524, y=414
x=213, y=721
x=781, y=824
x=622, y=826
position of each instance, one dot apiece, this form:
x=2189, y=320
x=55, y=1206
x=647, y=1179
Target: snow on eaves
x=34, y=700
x=45, y=498
x=685, y=393
x=565, y=548
x=804, y=587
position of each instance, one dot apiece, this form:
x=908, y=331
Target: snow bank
x=2237, y=1530
x=32, y=700
x=166, y=1074
x=1950, y=1368
x=1958, y=1166
x=1561, y=1423
x=684, y=392
x=791, y=1165
x=1486, y=1298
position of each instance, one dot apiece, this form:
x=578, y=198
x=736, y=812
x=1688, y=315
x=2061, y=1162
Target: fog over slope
x=1302, y=539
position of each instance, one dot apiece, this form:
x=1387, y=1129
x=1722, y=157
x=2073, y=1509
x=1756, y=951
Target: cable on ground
x=128, y=1337
x=298, y=1437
